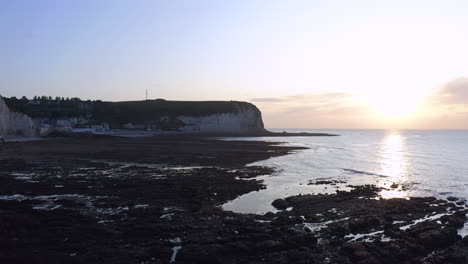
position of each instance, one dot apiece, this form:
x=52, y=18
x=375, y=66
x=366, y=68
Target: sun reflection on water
x=393, y=164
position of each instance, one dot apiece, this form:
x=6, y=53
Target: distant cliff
x=162, y=115
x=246, y=119
x=13, y=123
x=184, y=116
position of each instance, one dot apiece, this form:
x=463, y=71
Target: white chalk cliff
x=248, y=119
x=12, y=123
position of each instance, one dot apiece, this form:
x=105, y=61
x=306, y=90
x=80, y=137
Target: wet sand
x=157, y=200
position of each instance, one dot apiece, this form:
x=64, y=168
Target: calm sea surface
x=420, y=162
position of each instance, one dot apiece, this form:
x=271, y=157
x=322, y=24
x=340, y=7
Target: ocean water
x=413, y=162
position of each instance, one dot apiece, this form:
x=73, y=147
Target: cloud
x=446, y=106
x=448, y=100
x=313, y=98
x=453, y=92
x=330, y=102
x=327, y=109
x=268, y=100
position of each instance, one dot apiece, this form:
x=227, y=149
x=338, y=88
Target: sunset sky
x=305, y=64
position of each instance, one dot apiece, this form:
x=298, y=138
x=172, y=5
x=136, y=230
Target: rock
x=458, y=256
x=437, y=238
x=363, y=223
x=297, y=254
x=302, y=240
x=285, y=220
x=280, y=204
x=267, y=245
x=357, y=251
x=370, y=260
x=452, y=199
x=455, y=220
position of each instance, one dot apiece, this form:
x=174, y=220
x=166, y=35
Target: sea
x=404, y=163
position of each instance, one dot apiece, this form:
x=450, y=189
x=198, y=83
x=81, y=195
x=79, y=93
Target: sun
x=394, y=105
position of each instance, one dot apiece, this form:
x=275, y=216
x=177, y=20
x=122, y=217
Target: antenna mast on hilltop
x=146, y=94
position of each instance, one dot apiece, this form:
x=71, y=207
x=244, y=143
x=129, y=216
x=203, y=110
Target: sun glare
x=393, y=165
x=394, y=105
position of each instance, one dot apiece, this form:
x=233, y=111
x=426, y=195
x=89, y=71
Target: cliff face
x=12, y=123
x=247, y=119
x=158, y=115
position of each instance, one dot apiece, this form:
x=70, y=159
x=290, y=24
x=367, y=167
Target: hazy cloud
x=317, y=98
x=312, y=110
x=445, y=107
x=453, y=92
x=268, y=100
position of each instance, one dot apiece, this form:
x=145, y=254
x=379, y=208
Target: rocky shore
x=157, y=200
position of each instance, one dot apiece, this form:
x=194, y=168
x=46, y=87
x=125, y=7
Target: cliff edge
x=15, y=124
x=246, y=118
x=182, y=116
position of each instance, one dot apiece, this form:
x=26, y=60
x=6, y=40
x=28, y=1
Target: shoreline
x=144, y=133
x=88, y=200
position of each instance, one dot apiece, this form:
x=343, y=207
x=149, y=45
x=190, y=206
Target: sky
x=305, y=64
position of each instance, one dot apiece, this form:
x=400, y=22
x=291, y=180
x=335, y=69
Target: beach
x=159, y=200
